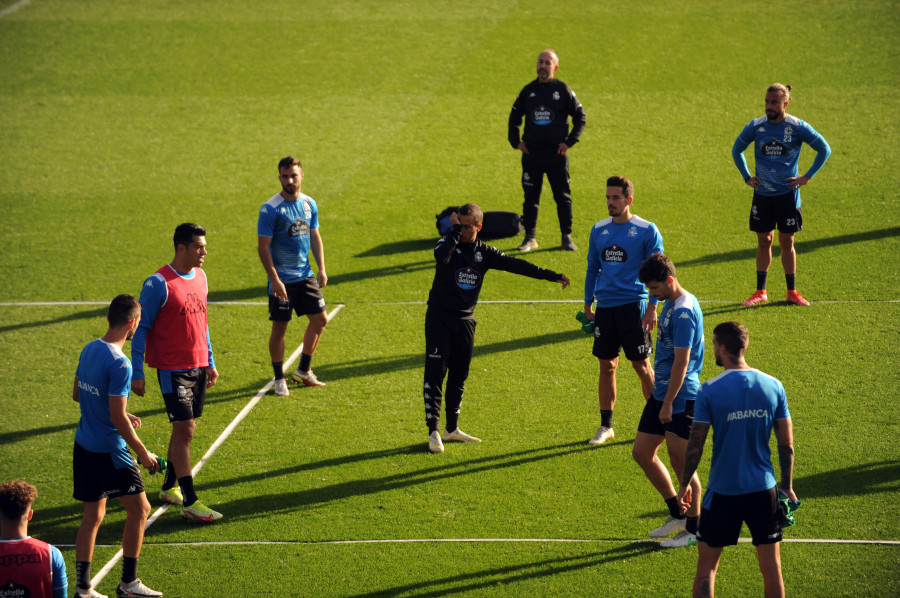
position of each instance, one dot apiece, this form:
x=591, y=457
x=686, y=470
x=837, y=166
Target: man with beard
x=102, y=467
x=618, y=246
x=546, y=104
x=462, y=262
x=175, y=334
x=777, y=138
x=288, y=230
x=743, y=405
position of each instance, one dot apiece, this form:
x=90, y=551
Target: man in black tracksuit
x=462, y=261
x=546, y=103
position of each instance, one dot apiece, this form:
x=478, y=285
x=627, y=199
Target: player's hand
x=322, y=278
x=790, y=494
x=753, y=182
x=564, y=280
x=648, y=322
x=665, y=413
x=523, y=148
x=454, y=219
x=212, y=374
x=684, y=498
x=134, y=420
x=137, y=387
x=279, y=291
x=149, y=461
x=589, y=312
x=562, y=149
x=795, y=182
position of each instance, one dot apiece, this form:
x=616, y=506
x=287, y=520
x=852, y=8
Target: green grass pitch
x=118, y=120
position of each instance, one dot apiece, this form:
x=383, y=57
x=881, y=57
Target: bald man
x=546, y=104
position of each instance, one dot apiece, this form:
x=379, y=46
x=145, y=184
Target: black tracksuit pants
x=535, y=165
x=449, y=343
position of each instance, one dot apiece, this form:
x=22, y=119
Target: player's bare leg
x=87, y=533
x=179, y=453
x=707, y=565
x=764, y=250
x=137, y=509
x=276, y=341
x=788, y=253
x=314, y=330
x=769, y=556
x=677, y=449
x=645, y=454
x=646, y=374
x=606, y=385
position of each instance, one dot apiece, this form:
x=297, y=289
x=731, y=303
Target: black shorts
x=184, y=393
x=304, y=297
x=680, y=425
x=620, y=327
x=769, y=211
x=96, y=477
x=720, y=525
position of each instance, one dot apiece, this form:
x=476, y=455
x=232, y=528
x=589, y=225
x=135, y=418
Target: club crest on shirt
x=788, y=133
x=555, y=95
x=632, y=232
x=299, y=229
x=614, y=253
x=478, y=257
x=307, y=211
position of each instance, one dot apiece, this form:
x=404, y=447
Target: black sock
x=83, y=574
x=674, y=510
x=606, y=417
x=170, y=479
x=129, y=569
x=187, y=490
x=791, y=280
x=691, y=525
x=303, y=366
x=761, y=280
x=278, y=368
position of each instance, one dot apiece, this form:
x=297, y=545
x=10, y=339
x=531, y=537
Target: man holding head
x=546, y=104
x=777, y=139
x=623, y=319
x=101, y=464
x=28, y=567
x=744, y=406
x=175, y=334
x=462, y=261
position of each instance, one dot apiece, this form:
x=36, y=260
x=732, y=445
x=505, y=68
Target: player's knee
x=608, y=367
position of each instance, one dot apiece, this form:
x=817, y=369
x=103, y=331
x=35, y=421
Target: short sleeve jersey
x=30, y=567
x=103, y=370
x=777, y=151
x=741, y=406
x=680, y=327
x=289, y=224
x=615, y=255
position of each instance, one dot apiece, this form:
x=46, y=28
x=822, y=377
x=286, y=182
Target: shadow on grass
x=381, y=365
x=800, y=246
x=878, y=477
x=380, y=271
x=407, y=246
x=265, y=505
x=81, y=315
x=502, y=576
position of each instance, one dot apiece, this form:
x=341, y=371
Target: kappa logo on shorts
x=182, y=392
x=596, y=332
x=132, y=488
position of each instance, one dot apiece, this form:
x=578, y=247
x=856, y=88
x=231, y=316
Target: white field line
x=477, y=540
x=13, y=7
x=212, y=449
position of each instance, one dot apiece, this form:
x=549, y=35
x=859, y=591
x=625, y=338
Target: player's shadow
x=380, y=271
x=79, y=315
x=265, y=505
x=407, y=246
x=801, y=246
x=878, y=477
x=380, y=365
x=474, y=581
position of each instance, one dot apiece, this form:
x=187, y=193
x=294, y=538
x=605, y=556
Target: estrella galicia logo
x=773, y=149
x=542, y=116
x=467, y=278
x=614, y=253
x=299, y=229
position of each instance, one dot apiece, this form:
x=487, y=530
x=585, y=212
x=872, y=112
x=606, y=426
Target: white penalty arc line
x=212, y=450
x=14, y=7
